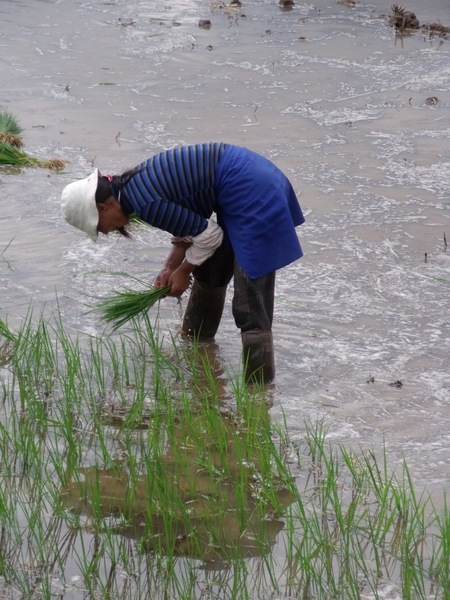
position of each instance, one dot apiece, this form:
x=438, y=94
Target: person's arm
x=205, y=244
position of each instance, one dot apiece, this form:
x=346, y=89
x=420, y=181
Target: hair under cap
x=78, y=204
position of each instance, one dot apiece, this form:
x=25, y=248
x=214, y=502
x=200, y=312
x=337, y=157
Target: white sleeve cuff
x=205, y=244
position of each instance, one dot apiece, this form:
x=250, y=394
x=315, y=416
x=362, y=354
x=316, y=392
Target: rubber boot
x=259, y=363
x=204, y=310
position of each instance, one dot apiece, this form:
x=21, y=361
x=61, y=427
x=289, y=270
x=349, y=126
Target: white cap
x=78, y=204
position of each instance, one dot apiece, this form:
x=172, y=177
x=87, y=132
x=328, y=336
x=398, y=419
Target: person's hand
x=180, y=279
x=173, y=261
x=162, y=279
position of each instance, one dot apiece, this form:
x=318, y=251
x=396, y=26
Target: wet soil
x=333, y=95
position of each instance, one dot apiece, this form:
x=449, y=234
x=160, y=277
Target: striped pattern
x=174, y=190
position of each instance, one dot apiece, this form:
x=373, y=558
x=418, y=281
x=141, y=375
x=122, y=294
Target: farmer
x=254, y=235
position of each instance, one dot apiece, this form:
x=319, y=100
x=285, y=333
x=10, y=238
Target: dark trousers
x=253, y=299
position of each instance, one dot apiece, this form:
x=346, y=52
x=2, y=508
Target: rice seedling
x=10, y=155
x=10, y=130
x=126, y=473
x=6, y=332
x=126, y=304
x=6, y=345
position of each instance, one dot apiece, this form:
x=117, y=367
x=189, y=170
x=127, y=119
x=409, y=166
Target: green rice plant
x=134, y=218
x=440, y=564
x=10, y=130
x=193, y=492
x=124, y=305
x=10, y=155
x=6, y=332
x=7, y=345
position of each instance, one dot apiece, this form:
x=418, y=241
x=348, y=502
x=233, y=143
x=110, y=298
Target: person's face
x=110, y=216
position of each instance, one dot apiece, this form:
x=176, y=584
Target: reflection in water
x=209, y=491
x=206, y=517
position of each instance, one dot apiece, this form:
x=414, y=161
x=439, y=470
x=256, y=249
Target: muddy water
x=335, y=99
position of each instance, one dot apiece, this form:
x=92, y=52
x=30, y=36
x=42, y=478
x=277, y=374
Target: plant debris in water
x=396, y=384
x=127, y=304
x=403, y=19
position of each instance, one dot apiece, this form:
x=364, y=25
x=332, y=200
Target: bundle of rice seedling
x=10, y=129
x=125, y=305
x=10, y=155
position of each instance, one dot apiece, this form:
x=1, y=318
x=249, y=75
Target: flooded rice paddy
x=337, y=99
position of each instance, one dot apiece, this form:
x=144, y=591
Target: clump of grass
x=10, y=155
x=10, y=130
x=127, y=304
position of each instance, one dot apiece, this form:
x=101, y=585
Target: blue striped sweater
x=174, y=190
